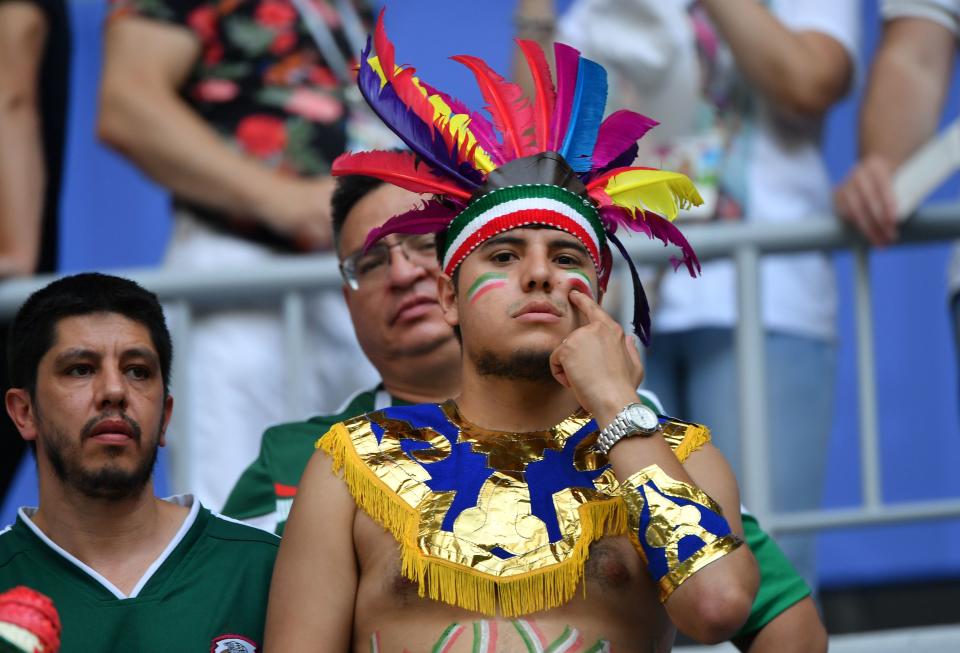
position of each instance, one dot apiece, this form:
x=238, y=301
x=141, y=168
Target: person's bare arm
x=143, y=117
x=314, y=585
x=797, y=629
x=23, y=33
x=909, y=80
x=711, y=604
x=802, y=72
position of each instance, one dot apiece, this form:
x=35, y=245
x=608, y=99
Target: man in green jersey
x=414, y=357
x=90, y=368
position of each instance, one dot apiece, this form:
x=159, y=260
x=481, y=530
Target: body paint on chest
x=580, y=281
x=485, y=283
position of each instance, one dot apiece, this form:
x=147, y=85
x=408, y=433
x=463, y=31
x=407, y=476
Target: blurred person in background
x=914, y=60
x=34, y=74
x=238, y=109
x=742, y=88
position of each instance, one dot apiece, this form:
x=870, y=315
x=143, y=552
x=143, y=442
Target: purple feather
x=480, y=127
x=567, y=63
x=667, y=232
x=432, y=217
x=420, y=137
x=654, y=226
x=625, y=160
x=618, y=133
x=614, y=216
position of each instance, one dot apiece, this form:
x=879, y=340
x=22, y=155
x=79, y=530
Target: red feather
x=545, y=93
x=397, y=168
x=510, y=110
x=402, y=81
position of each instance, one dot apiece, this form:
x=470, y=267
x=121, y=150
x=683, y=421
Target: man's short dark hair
x=349, y=190
x=34, y=327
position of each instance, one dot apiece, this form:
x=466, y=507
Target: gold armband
x=677, y=526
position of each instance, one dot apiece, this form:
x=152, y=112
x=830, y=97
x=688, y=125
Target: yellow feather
x=659, y=191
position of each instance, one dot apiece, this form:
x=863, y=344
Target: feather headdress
x=552, y=161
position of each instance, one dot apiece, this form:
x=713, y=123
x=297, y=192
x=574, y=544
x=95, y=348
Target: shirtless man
x=543, y=508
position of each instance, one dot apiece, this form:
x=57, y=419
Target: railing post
x=293, y=346
x=178, y=451
x=752, y=385
x=866, y=381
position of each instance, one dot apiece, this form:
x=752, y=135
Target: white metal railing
x=285, y=281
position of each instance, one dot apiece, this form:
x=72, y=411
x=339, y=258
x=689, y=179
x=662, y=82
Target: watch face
x=644, y=418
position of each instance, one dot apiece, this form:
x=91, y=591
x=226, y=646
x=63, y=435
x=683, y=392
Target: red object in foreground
x=33, y=612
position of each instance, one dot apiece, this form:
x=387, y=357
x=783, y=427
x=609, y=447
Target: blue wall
x=114, y=218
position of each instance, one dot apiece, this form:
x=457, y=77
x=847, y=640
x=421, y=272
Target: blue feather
x=420, y=137
x=589, y=100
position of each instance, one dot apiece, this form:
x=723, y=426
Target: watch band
x=621, y=427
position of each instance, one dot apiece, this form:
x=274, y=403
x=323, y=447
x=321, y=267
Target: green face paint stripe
x=482, y=281
x=601, y=646
x=525, y=636
x=477, y=636
x=441, y=644
x=581, y=274
x=560, y=643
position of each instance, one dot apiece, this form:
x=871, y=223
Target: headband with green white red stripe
x=508, y=208
x=553, y=161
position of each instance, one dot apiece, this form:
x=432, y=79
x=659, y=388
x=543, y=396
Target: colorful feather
x=567, y=63
x=641, y=307
x=402, y=79
x=586, y=113
x=546, y=95
x=618, y=133
x=399, y=169
x=625, y=160
x=654, y=226
x=644, y=188
x=509, y=108
x=419, y=136
x=479, y=126
x=432, y=217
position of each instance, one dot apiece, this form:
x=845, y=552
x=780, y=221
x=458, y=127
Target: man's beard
x=108, y=481
x=521, y=365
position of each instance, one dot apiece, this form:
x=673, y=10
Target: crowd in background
x=238, y=109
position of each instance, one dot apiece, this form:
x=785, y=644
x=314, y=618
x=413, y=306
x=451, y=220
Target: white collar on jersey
x=185, y=500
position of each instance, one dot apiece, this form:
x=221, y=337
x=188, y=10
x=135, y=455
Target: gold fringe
x=449, y=582
x=696, y=436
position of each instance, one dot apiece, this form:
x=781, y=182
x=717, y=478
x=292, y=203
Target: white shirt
x=775, y=172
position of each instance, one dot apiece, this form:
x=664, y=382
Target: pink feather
x=432, y=217
x=546, y=95
x=399, y=169
x=618, y=132
x=567, y=60
x=510, y=110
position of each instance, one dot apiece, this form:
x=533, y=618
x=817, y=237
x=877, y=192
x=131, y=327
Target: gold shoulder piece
x=684, y=437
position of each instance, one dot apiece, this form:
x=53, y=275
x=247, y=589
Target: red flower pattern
x=203, y=21
x=262, y=135
x=275, y=13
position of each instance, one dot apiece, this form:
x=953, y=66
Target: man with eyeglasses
x=391, y=292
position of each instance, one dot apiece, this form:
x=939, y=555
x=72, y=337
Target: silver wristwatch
x=635, y=419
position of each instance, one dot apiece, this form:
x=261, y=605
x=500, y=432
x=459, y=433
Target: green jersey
x=263, y=495
x=206, y=592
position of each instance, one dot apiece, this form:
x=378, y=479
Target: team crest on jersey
x=233, y=644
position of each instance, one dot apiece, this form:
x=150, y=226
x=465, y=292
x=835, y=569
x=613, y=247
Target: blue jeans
x=695, y=375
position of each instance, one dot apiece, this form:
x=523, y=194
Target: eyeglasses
x=371, y=266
